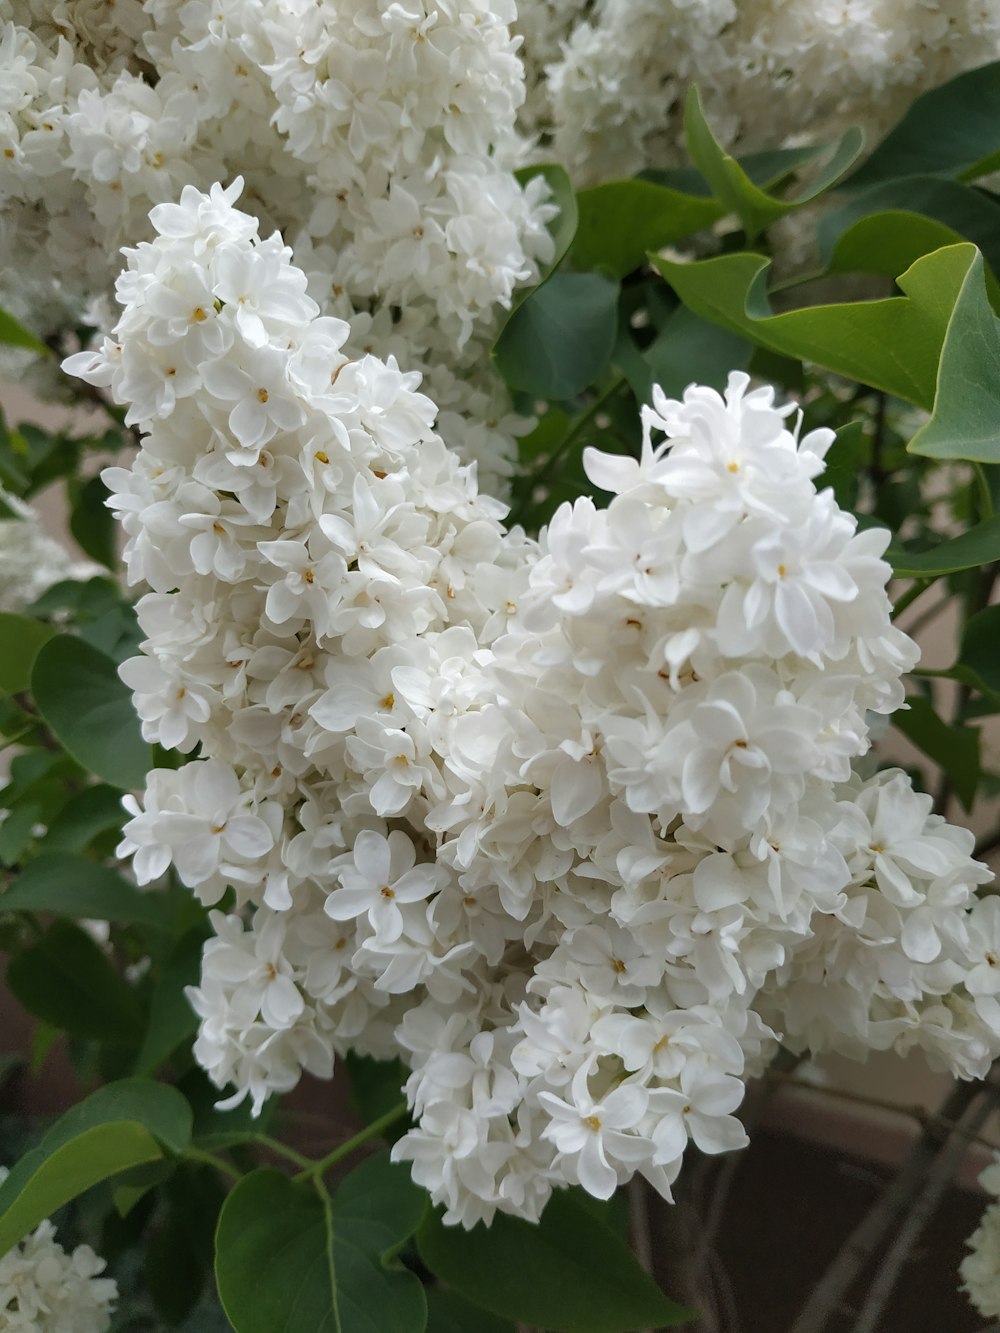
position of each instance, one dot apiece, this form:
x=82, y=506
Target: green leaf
x=893, y=344
x=734, y=189
x=95, y=810
x=67, y=980
x=979, y=546
x=16, y=833
x=978, y=651
x=179, y=1251
x=961, y=213
x=119, y=1127
x=691, y=350
x=95, y=1155
x=21, y=638
x=953, y=749
x=376, y=1086
x=92, y=523
x=90, y=711
x=569, y=1273
x=965, y=422
x=291, y=1261
x=447, y=1312
x=13, y=334
x=843, y=463
x=621, y=220
x=952, y=130
x=888, y=242
x=172, y=1021
x=560, y=339
x=78, y=887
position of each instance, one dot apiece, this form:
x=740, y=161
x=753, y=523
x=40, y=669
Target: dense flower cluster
x=379, y=137
x=980, y=1269
x=571, y=826
x=606, y=82
x=45, y=1290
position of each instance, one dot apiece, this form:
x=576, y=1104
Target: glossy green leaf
x=178, y=1253
x=844, y=463
x=172, y=1021
x=888, y=242
x=980, y=647
x=14, y=334
x=95, y=810
x=568, y=1274
x=447, y=1312
x=965, y=421
x=376, y=1087
x=893, y=344
x=961, y=212
x=691, y=350
x=66, y=980
x=955, y=749
x=21, y=638
x=767, y=169
x=289, y=1261
x=952, y=130
x=560, y=339
x=75, y=886
x=732, y=186
x=119, y=1127
x=621, y=220
x=979, y=546
x=91, y=522
x=105, y=1150
x=90, y=711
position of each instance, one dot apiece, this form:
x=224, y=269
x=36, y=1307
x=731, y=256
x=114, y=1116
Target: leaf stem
x=315, y=1170
x=915, y=590
x=282, y=1150
x=211, y=1159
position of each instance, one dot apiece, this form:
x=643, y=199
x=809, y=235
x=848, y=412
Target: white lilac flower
x=980, y=1269
x=44, y=1289
x=570, y=826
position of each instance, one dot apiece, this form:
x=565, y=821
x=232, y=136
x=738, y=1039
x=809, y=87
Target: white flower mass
x=572, y=826
x=980, y=1269
x=45, y=1290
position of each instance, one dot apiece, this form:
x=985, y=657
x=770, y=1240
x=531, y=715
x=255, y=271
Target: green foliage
x=568, y=1274
x=733, y=188
x=954, y=748
x=978, y=652
x=67, y=980
x=289, y=1259
x=560, y=339
x=447, y=1312
x=21, y=637
x=376, y=1085
x=914, y=214
x=119, y=1127
x=14, y=334
x=965, y=422
x=172, y=1021
x=951, y=131
x=621, y=220
x=75, y=886
x=979, y=546
x=90, y=711
x=893, y=345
